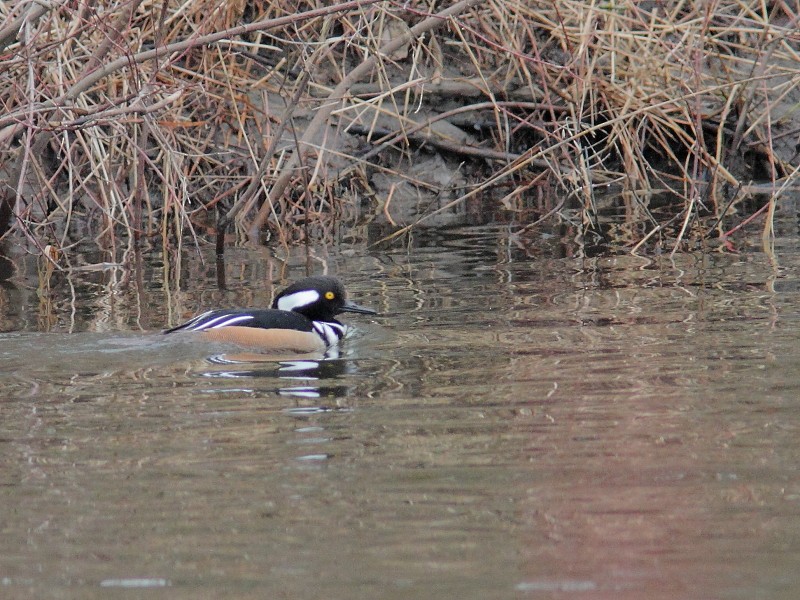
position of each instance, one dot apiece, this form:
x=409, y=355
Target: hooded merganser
x=302, y=319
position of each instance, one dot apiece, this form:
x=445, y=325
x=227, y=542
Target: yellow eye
x=329, y=295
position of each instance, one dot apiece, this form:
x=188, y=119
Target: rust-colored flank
x=275, y=340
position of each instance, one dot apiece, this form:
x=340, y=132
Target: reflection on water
x=511, y=426
x=298, y=378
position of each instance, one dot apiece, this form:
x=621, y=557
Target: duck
x=302, y=319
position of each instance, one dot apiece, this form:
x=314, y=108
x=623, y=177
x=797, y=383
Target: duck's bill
x=355, y=308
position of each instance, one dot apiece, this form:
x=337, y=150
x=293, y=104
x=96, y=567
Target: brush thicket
x=140, y=119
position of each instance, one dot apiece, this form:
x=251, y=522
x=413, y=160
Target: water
x=516, y=424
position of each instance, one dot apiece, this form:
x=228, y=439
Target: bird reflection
x=312, y=373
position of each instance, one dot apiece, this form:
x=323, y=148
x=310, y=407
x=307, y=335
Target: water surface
x=515, y=424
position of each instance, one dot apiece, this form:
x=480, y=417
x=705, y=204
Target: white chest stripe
x=298, y=299
x=330, y=332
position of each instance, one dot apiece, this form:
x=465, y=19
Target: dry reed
x=153, y=119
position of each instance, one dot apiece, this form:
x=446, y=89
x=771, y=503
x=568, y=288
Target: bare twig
x=92, y=77
x=337, y=95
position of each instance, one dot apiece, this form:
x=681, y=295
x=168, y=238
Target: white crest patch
x=298, y=300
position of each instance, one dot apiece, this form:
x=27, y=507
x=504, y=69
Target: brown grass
x=154, y=119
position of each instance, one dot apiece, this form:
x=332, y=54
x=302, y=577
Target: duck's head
x=319, y=298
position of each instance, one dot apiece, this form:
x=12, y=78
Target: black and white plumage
x=302, y=319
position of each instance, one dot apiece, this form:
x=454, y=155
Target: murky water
x=512, y=425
